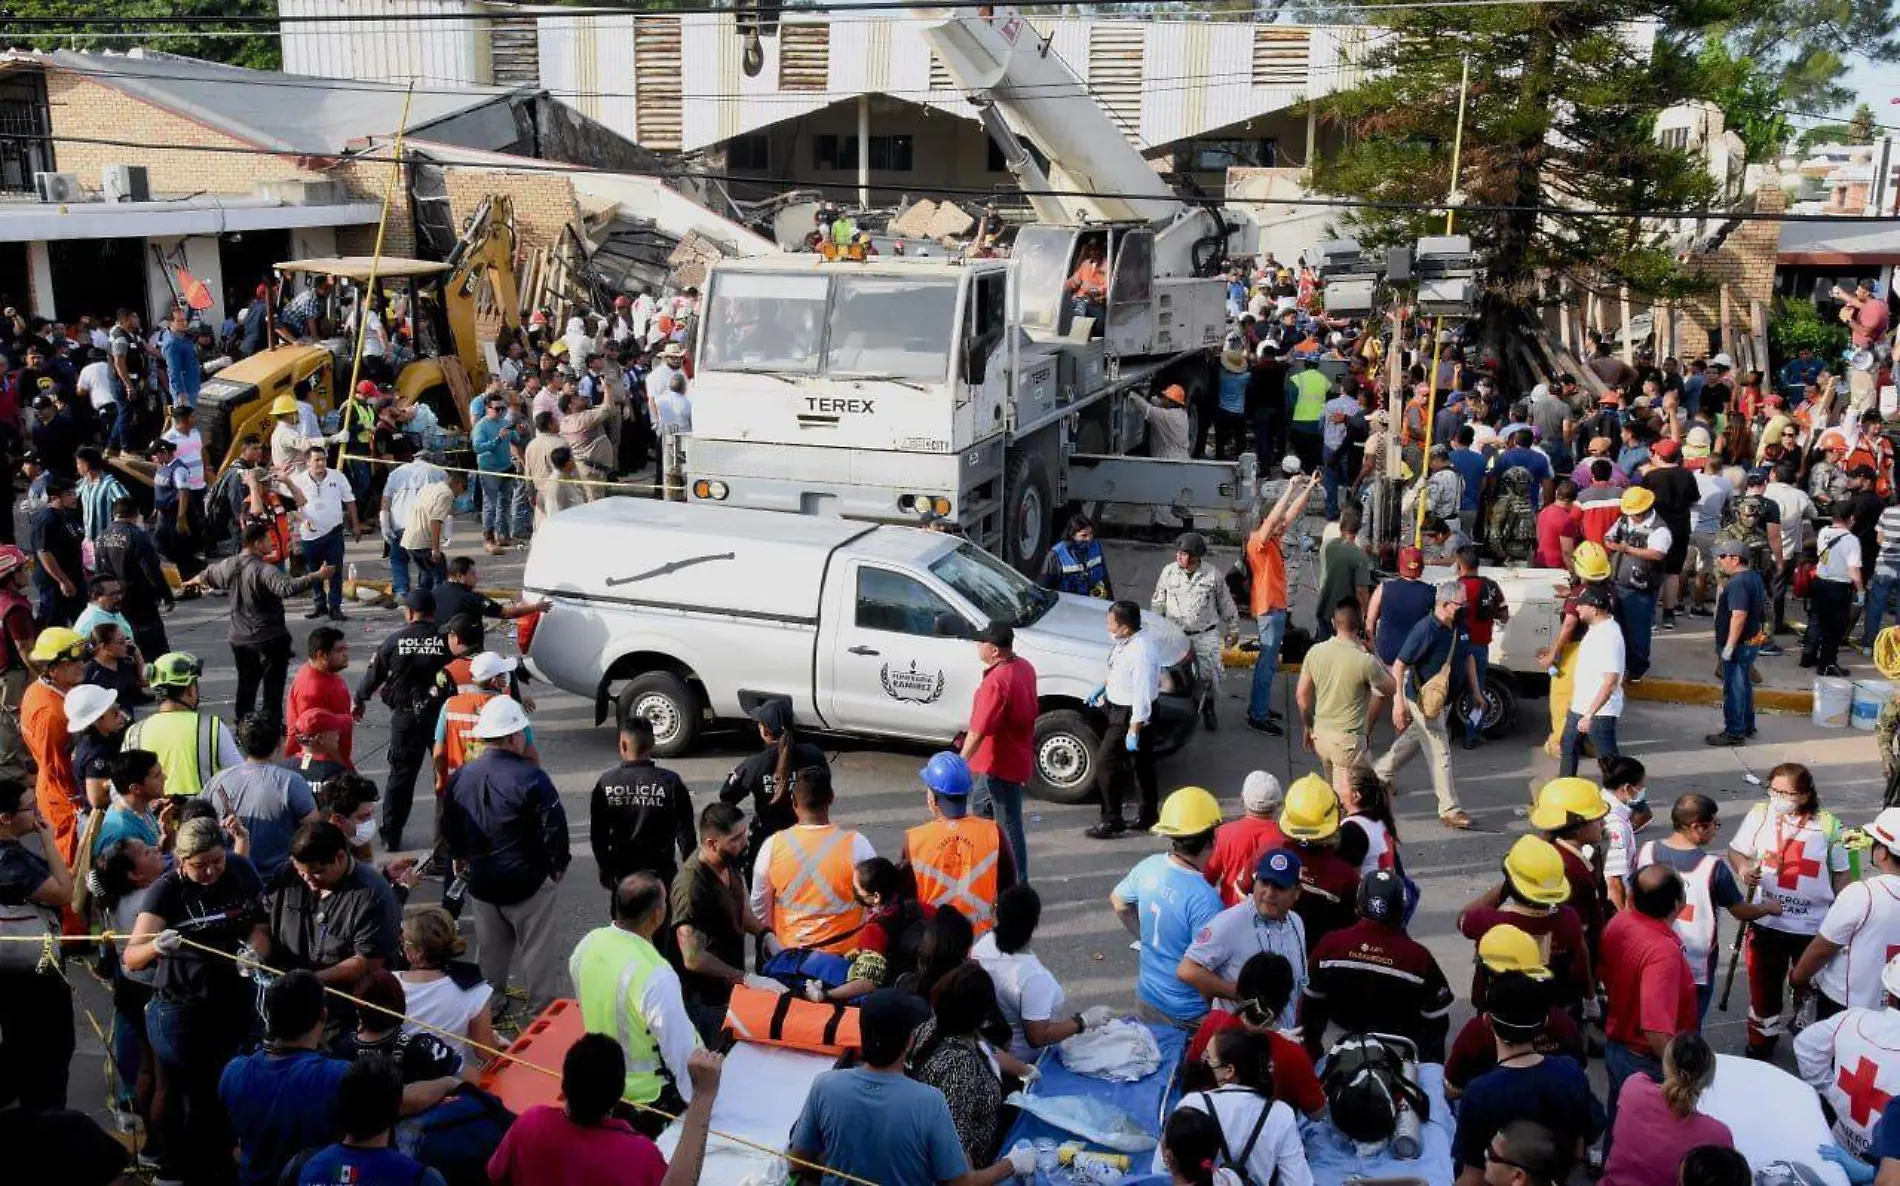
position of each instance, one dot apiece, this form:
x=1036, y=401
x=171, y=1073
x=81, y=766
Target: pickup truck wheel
x=1029, y=510
x=669, y=704
x=1499, y=704
x=1065, y=757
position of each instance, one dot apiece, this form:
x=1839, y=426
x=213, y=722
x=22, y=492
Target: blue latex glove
x=1132, y=742
x=1097, y=696
x=1858, y=1172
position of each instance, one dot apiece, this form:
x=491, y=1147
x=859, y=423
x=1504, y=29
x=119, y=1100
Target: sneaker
x=1771, y=650
x=1473, y=740
x=1269, y=726
x=1106, y=830
x=317, y=612
x=1834, y=670
x=1146, y=824
x=1807, y=660
x=1723, y=739
x=337, y=615
x=1668, y=620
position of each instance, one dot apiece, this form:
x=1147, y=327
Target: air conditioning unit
x=58, y=187
x=125, y=183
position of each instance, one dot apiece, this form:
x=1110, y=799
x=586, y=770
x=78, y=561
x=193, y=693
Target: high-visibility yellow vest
x=186, y=743
x=610, y=969
x=1309, y=394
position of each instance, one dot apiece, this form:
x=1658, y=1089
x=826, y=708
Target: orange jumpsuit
x=43, y=727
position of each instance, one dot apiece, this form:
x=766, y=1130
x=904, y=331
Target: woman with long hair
x=952, y=1056
x=1788, y=851
x=945, y=946
x=1369, y=835
x=1657, y=1124
x=765, y=779
x=1258, y=1134
x=1190, y=1150
x=886, y=945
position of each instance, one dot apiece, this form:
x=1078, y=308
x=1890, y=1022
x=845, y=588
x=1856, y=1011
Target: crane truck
x=980, y=391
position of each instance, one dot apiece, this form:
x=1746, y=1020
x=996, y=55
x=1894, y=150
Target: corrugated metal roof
x=1848, y=237
x=290, y=113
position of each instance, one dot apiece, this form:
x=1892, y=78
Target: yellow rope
x=343, y=454
x=494, y=1053
x=1887, y=652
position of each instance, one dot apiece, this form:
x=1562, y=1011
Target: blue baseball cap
x=1278, y=866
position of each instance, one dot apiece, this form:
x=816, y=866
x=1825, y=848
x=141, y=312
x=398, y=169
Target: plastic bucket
x=1870, y=696
x=1833, y=702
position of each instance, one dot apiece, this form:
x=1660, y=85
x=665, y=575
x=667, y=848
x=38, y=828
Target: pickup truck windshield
x=892, y=326
x=764, y=322
x=997, y=591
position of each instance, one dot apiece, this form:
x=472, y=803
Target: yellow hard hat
x=284, y=405
x=1188, y=812
x=1311, y=811
x=57, y=644
x=1637, y=500
x=1535, y=870
x=1565, y=801
x=1505, y=948
x=1591, y=561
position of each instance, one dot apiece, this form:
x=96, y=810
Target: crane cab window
x=891, y=327
x=764, y=322
x=900, y=604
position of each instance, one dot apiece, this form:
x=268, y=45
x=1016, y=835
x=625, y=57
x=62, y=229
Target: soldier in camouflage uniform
x=1193, y=596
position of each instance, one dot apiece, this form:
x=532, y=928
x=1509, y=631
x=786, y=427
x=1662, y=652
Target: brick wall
x=364, y=181
x=544, y=201
x=1745, y=263
x=82, y=107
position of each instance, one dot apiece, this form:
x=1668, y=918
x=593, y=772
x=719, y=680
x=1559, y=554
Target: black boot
x=1207, y=715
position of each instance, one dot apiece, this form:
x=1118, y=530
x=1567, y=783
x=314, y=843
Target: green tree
x=1561, y=113
x=238, y=44
x=1860, y=126
x=1805, y=42
x=1752, y=99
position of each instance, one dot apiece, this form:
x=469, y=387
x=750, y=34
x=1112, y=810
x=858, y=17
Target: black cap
x=422, y=601
x=1596, y=596
x=1382, y=897
x=998, y=634
x=58, y=486
x=886, y=1020
x=1191, y=542
x=775, y=714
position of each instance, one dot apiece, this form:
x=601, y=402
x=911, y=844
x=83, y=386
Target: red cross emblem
x=1864, y=1100
x=1792, y=863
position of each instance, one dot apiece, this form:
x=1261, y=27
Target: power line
x=374, y=152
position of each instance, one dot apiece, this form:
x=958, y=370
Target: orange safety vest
x=457, y=673
x=955, y=864
x=813, y=902
x=785, y=1019
x=458, y=717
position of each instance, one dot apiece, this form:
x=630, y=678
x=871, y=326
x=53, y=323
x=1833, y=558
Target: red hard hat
x=12, y=560
x=366, y=387
x=623, y=302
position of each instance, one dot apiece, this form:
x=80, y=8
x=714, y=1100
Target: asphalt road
x=1080, y=939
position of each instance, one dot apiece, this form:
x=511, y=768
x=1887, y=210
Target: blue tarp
x=1147, y=1100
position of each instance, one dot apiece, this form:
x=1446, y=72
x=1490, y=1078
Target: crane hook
x=753, y=59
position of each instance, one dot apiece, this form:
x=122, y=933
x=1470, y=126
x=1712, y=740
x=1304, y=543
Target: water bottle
x=349, y=582
x=1407, y=1141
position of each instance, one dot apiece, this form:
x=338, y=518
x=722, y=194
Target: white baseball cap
x=488, y=665
x=1260, y=794
x=1885, y=829
x=86, y=704
x=500, y=717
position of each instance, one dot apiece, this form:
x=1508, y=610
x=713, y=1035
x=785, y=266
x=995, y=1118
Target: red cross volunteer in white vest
x=1788, y=851
x=1853, y=1060
x=1861, y=931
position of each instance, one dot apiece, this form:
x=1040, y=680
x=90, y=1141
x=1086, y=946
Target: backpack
x=1511, y=528
x=1237, y=1163
x=1748, y=524
x=1367, y=1087
x=457, y=1136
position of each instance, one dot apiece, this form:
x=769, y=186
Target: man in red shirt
x=318, y=685
x=1559, y=527
x=1239, y=844
x=1000, y=745
x=1648, y=988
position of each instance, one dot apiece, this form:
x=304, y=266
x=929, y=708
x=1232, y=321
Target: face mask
x=364, y=832
x=1781, y=804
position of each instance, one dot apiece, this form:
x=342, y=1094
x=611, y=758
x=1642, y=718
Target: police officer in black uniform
x=766, y=777
x=641, y=819
x=404, y=668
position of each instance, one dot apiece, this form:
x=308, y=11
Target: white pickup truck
x=689, y=613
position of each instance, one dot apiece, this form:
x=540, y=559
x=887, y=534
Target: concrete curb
x=1661, y=691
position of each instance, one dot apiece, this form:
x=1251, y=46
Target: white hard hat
x=500, y=717
x=488, y=665
x=1261, y=793
x=1290, y=464
x=1885, y=829
x=1890, y=977
x=1722, y=360
x=86, y=704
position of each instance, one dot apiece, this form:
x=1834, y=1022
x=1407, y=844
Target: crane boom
x=1006, y=69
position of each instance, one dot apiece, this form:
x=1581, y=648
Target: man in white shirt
x=1128, y=696
x=191, y=447
x=1712, y=494
x=1596, y=695
x=1860, y=930
x=399, y=491
x=1838, y=580
x=426, y=528
x=665, y=366
x=99, y=384
x=324, y=503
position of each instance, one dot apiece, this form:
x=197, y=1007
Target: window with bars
x=25, y=122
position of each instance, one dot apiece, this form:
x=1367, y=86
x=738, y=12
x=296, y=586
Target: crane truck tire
x=1028, y=512
x=669, y=704
x=1065, y=756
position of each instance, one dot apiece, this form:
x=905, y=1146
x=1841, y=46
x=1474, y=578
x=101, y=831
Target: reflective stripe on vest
x=186, y=744
x=1695, y=923
x=813, y=904
x=955, y=865
x=458, y=717
x=610, y=969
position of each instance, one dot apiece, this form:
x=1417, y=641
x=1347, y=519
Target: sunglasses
x=1495, y=1158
